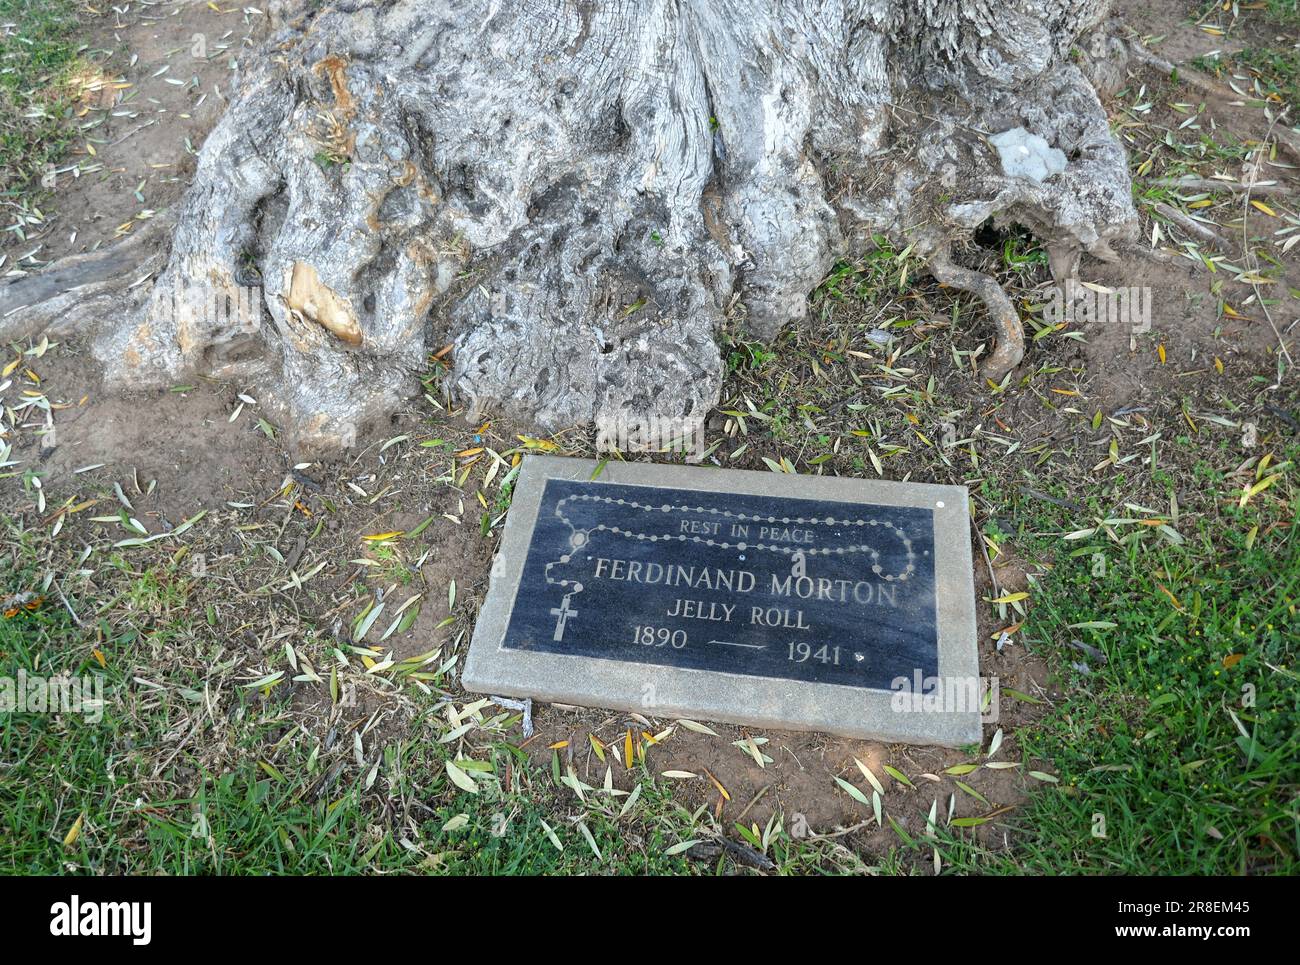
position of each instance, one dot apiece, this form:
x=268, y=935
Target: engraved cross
x=562, y=614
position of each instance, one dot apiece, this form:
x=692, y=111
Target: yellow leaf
x=1258, y=488
x=1011, y=598
x=1172, y=598
x=380, y=537
x=1261, y=206
x=718, y=784
x=75, y=831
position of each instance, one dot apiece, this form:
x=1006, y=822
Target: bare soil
x=1171, y=29
x=161, y=76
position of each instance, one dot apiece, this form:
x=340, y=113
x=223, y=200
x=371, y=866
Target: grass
x=1273, y=76
x=1177, y=750
x=38, y=50
x=232, y=743
x=1274, y=12
x=1284, y=11
x=71, y=794
x=1270, y=73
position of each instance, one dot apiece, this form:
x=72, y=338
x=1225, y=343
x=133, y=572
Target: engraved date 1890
x=659, y=637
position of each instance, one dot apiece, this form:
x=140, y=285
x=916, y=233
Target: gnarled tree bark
x=520, y=173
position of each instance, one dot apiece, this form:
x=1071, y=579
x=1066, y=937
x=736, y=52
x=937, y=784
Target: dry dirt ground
x=159, y=83
x=271, y=523
x=1180, y=33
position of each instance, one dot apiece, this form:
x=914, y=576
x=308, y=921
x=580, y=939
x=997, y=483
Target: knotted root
x=1010, y=347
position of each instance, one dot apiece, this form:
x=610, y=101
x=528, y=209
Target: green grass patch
x=1284, y=11
x=1280, y=13
x=186, y=771
x=1177, y=754
x=1274, y=75
x=38, y=50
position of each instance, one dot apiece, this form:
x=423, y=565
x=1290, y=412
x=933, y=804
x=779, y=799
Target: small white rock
x=1027, y=155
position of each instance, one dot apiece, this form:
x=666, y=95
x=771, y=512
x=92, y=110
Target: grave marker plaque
x=798, y=602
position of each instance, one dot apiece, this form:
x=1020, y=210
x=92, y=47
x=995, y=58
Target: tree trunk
x=574, y=191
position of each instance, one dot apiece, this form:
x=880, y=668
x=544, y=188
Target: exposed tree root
x=1192, y=226
x=1213, y=186
x=1010, y=347
x=82, y=288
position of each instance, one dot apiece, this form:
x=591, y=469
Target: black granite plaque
x=768, y=586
